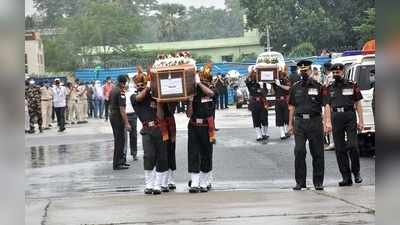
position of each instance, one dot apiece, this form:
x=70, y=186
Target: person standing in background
x=90, y=97
x=82, y=102
x=46, y=106
x=98, y=100
x=59, y=102
x=72, y=103
x=132, y=119
x=32, y=93
x=108, y=86
x=225, y=90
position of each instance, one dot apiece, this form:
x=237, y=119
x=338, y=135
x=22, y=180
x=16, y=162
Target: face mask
x=304, y=76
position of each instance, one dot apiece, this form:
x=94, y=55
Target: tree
x=102, y=29
x=366, y=29
x=302, y=50
x=169, y=17
x=323, y=23
x=59, y=54
x=29, y=23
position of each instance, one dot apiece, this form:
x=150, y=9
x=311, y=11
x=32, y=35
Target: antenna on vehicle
x=268, y=40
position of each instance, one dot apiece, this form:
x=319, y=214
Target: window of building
x=227, y=58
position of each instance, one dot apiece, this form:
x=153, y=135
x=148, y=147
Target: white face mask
x=31, y=82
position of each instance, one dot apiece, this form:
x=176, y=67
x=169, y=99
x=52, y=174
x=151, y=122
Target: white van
x=361, y=73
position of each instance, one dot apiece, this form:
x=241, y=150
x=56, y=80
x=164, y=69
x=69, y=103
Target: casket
x=173, y=83
x=267, y=72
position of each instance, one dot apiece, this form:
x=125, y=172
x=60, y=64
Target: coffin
x=267, y=72
x=173, y=83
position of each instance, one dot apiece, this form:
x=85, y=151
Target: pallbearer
x=258, y=106
x=281, y=88
x=150, y=113
x=201, y=132
x=169, y=128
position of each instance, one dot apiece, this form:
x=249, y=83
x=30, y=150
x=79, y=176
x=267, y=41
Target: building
x=220, y=50
x=34, y=54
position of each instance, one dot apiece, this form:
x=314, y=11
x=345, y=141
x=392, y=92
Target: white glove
x=148, y=85
x=197, y=79
x=278, y=82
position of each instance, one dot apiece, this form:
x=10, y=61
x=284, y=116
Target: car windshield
x=363, y=76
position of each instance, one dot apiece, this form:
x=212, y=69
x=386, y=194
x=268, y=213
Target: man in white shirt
x=59, y=103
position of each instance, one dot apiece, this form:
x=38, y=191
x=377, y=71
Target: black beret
x=122, y=79
x=304, y=64
x=327, y=65
x=337, y=66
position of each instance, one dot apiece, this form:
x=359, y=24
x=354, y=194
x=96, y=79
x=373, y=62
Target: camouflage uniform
x=32, y=93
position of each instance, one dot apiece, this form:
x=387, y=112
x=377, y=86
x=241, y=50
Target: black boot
x=194, y=190
x=40, y=130
x=298, y=187
x=357, y=178
x=346, y=182
x=148, y=191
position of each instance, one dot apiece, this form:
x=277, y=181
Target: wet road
x=81, y=163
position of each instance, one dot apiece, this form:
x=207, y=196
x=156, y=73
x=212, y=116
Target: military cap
x=122, y=79
x=304, y=64
x=327, y=66
x=337, y=66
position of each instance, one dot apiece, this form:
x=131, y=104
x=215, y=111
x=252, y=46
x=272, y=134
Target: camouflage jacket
x=32, y=94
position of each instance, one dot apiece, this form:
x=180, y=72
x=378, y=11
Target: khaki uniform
x=46, y=96
x=72, y=105
x=82, y=103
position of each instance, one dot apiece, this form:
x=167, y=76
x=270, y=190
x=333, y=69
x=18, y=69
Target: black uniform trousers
x=345, y=124
x=106, y=108
x=311, y=130
x=155, y=150
x=200, y=149
x=60, y=114
x=259, y=114
x=171, y=155
x=281, y=113
x=132, y=119
x=118, y=128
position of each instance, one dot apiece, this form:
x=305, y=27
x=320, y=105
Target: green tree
x=59, y=54
x=102, y=29
x=302, y=50
x=169, y=17
x=29, y=23
x=366, y=29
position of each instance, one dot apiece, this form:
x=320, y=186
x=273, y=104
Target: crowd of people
x=70, y=102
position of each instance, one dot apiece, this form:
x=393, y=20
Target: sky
x=29, y=9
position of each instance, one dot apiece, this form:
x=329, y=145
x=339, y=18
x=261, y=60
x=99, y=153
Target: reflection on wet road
x=45, y=156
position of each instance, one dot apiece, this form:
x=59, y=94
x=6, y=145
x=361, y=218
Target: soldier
x=258, y=106
x=32, y=93
x=170, y=126
x=82, y=102
x=201, y=132
x=306, y=99
x=46, y=104
x=155, y=153
x=119, y=122
x=281, y=88
x=72, y=101
x=344, y=100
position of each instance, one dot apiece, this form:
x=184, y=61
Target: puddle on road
x=44, y=156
